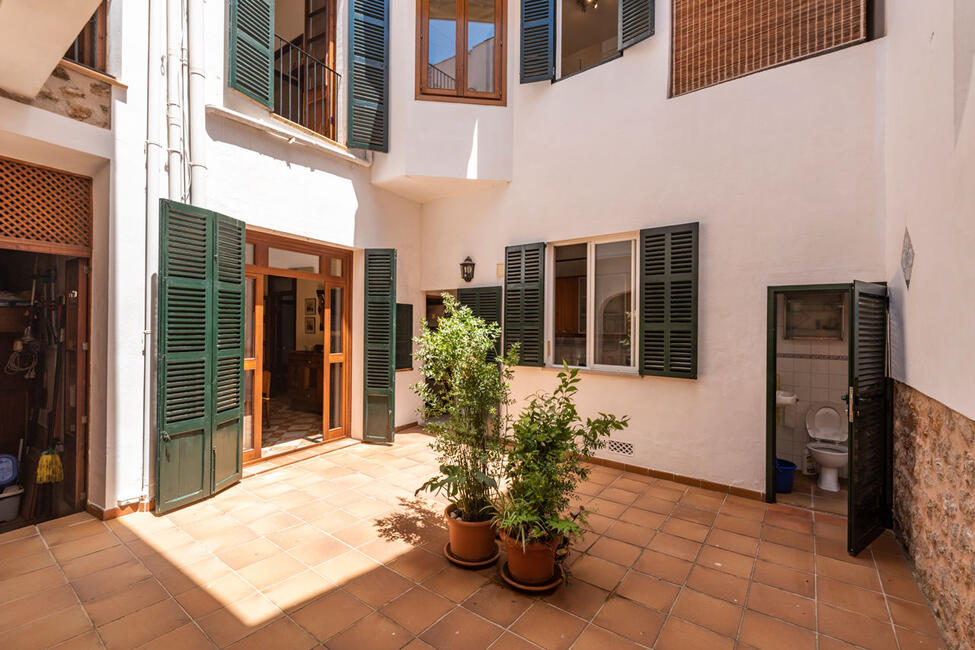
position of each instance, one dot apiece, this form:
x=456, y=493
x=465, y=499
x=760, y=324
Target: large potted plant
x=547, y=455
x=465, y=392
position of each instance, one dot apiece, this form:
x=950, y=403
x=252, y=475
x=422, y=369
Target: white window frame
x=591, y=242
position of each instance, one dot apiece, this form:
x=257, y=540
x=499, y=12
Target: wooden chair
x=265, y=394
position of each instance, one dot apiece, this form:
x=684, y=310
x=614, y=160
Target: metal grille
x=719, y=40
x=620, y=447
x=40, y=205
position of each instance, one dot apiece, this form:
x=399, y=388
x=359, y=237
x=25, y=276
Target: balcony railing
x=89, y=48
x=306, y=90
x=437, y=78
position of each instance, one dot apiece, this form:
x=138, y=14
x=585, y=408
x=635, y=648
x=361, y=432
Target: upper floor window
x=589, y=34
x=89, y=48
x=460, y=50
x=719, y=40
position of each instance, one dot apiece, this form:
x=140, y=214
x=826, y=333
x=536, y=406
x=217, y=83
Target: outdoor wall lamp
x=467, y=269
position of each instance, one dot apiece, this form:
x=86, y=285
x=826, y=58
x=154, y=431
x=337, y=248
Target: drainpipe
x=174, y=109
x=154, y=156
x=197, y=103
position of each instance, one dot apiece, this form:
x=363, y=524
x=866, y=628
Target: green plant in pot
x=547, y=456
x=466, y=392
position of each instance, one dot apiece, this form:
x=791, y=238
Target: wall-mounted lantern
x=467, y=269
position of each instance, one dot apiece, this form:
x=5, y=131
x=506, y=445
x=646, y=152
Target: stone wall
x=934, y=506
x=73, y=94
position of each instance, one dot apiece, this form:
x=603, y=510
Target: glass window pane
x=570, y=305
x=590, y=33
x=335, y=395
x=613, y=303
x=249, y=254
x=248, y=410
x=442, y=53
x=480, y=45
x=335, y=296
x=283, y=259
x=335, y=267
x=249, y=285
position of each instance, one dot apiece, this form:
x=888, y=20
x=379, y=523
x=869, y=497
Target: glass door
x=336, y=309
x=253, y=379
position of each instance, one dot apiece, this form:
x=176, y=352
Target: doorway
x=828, y=440
x=297, y=332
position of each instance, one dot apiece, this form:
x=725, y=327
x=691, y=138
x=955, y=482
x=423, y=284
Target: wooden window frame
x=461, y=94
x=95, y=29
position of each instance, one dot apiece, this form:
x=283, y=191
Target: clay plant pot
x=471, y=542
x=533, y=564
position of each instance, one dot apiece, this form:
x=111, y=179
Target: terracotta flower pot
x=470, y=541
x=533, y=564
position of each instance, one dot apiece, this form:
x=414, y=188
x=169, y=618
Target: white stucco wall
x=782, y=169
x=930, y=185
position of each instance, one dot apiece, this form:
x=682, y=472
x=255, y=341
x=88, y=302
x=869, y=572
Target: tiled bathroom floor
x=806, y=494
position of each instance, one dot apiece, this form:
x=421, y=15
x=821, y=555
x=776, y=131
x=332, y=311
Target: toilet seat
x=826, y=422
x=828, y=448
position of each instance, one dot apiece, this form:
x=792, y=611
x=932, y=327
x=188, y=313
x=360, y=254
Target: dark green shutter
x=200, y=354
x=537, y=40
x=485, y=303
x=404, y=336
x=668, y=301
x=524, y=301
x=369, y=74
x=251, y=66
x=635, y=21
x=380, y=337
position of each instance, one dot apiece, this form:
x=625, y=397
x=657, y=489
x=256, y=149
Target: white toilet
x=827, y=425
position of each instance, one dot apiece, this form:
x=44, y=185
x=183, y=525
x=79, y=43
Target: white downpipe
x=174, y=109
x=197, y=103
x=154, y=156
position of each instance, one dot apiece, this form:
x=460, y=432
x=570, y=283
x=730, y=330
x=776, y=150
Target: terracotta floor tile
x=65, y=534
x=114, y=606
x=727, y=561
x=642, y=518
x=793, y=558
x=911, y=640
x=498, y=604
x=655, y=504
x=730, y=541
x=860, y=576
x=686, y=529
x=84, y=641
x=829, y=643
x=548, y=627
x=718, y=584
x=418, y=564
x=18, y=534
x=271, y=570
x=335, y=520
x=782, y=604
x=202, y=600
x=319, y=550
x=344, y=568
x=579, y=598
x=582, y=542
x=357, y=534
x=598, y=638
x=244, y=555
x=648, y=590
x=666, y=491
x=697, y=515
x=707, y=611
x=417, y=609
x=103, y=559
x=16, y=566
x=766, y=633
x=186, y=637
x=331, y=614
x=788, y=537
x=630, y=620
x=23, y=611
x=615, y=551
x=232, y=623
x=47, y=631
x=598, y=523
x=30, y=583
x=855, y=628
x=454, y=583
x=606, y=507
x=619, y=495
x=637, y=534
x=913, y=616
x=776, y=575
x=669, y=568
x=102, y=539
x=298, y=590
x=853, y=598
x=509, y=641
x=678, y=547
x=282, y=634
x=898, y=586
x=794, y=519
x=681, y=635
x=838, y=551
x=738, y=525
x=704, y=499
x=375, y=632
x=598, y=572
x=744, y=509
x=143, y=626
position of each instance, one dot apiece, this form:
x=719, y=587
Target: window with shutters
x=461, y=50
x=89, y=49
x=592, y=303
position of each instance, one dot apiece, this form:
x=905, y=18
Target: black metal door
x=867, y=398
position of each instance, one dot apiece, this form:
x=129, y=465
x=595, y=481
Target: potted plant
x=465, y=392
x=546, y=461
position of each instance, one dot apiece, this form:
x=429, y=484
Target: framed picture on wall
x=310, y=324
x=309, y=306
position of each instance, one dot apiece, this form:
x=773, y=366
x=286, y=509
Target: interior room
x=570, y=304
x=43, y=386
x=812, y=377
x=590, y=33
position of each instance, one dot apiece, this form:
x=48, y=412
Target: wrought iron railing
x=89, y=48
x=306, y=91
x=437, y=78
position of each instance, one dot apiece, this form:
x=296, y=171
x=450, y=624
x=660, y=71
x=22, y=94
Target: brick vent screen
x=44, y=206
x=719, y=40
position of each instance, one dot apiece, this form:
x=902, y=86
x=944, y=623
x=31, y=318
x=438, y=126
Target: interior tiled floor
x=807, y=494
x=334, y=551
x=286, y=429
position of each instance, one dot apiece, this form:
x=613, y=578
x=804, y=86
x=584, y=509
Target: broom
x=49, y=468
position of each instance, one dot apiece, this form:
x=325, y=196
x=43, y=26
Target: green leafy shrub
x=546, y=461
x=466, y=392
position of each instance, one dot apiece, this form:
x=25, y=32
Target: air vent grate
x=620, y=447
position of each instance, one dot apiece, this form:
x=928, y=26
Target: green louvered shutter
x=251, y=69
x=635, y=21
x=380, y=336
x=524, y=301
x=369, y=74
x=668, y=301
x=537, y=40
x=485, y=303
x=228, y=290
x=404, y=336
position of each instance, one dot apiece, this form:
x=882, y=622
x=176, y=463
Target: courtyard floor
x=335, y=551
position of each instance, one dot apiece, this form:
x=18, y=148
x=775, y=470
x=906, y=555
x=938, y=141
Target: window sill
x=92, y=73
x=454, y=99
x=622, y=372
x=404, y=370
x=279, y=129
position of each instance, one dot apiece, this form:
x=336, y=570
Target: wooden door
x=321, y=85
x=253, y=366
x=334, y=412
x=75, y=383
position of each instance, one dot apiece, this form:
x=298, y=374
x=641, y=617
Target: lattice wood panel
x=43, y=208
x=719, y=40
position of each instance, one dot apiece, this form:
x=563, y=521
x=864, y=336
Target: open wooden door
x=867, y=400
x=75, y=382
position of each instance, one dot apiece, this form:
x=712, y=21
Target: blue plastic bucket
x=785, y=472
x=8, y=470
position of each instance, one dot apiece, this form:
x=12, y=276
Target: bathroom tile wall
x=816, y=371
